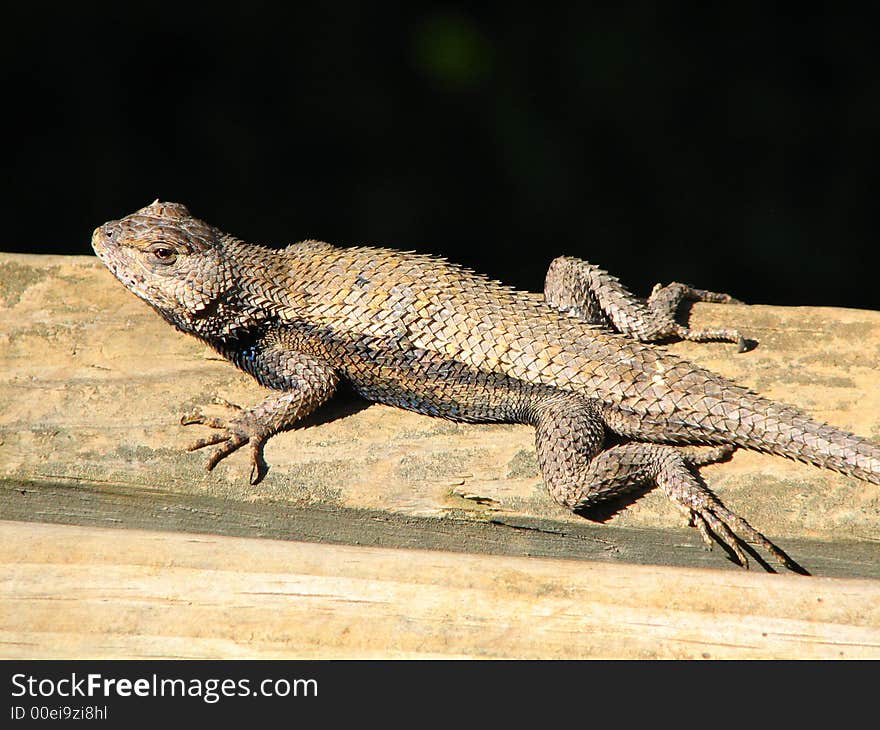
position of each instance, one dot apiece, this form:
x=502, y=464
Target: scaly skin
x=611, y=414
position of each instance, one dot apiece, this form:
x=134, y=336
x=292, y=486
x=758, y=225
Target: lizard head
x=169, y=259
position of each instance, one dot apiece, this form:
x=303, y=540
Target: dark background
x=735, y=149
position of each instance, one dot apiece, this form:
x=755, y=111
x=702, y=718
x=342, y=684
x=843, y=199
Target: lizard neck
x=269, y=283
x=249, y=295
x=258, y=287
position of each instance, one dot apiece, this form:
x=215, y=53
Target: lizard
x=613, y=413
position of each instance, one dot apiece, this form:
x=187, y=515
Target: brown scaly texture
x=415, y=331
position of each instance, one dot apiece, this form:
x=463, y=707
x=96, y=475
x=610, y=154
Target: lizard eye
x=163, y=253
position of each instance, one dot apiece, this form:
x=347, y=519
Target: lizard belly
x=426, y=382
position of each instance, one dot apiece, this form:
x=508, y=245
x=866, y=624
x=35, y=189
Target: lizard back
x=417, y=322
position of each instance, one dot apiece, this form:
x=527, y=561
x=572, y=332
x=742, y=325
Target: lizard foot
x=694, y=294
x=243, y=428
x=665, y=299
x=716, y=523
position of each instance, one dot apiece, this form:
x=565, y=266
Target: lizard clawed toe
x=714, y=521
x=197, y=417
x=717, y=524
x=217, y=400
x=709, y=524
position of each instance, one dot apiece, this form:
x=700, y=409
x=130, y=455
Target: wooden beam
x=93, y=384
x=77, y=592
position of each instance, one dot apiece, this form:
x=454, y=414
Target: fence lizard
x=611, y=414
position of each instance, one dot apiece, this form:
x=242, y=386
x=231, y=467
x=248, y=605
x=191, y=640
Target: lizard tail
x=777, y=428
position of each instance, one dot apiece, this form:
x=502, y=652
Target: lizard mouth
x=102, y=249
x=99, y=242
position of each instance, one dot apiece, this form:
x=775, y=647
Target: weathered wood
x=95, y=592
x=92, y=384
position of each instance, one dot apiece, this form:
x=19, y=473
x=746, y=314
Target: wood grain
x=80, y=592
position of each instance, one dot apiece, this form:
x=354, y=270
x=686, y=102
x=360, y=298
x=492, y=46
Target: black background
x=734, y=147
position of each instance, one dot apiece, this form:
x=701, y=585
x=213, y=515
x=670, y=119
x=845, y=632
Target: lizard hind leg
x=586, y=291
x=580, y=472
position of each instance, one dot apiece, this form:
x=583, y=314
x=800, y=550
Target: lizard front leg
x=580, y=472
x=305, y=381
x=580, y=288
